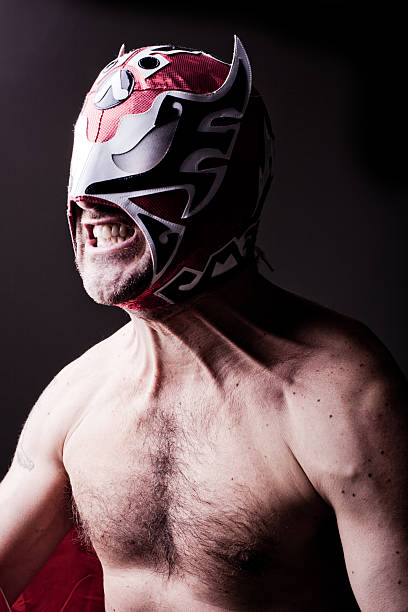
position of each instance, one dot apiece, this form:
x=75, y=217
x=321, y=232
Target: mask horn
x=121, y=50
x=239, y=58
x=240, y=54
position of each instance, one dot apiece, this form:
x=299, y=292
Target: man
x=234, y=446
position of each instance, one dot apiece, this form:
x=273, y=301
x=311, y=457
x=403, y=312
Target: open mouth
x=105, y=235
x=105, y=225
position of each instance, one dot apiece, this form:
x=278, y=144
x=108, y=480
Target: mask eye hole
x=149, y=62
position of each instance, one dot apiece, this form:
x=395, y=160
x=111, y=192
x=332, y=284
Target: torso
x=184, y=482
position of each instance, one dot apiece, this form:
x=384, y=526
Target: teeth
x=111, y=234
x=106, y=231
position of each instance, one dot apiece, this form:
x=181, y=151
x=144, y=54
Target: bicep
x=374, y=533
x=351, y=439
x=370, y=498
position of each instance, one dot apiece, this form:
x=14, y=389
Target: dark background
x=333, y=77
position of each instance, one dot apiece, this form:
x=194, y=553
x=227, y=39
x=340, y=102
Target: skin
x=224, y=455
x=110, y=276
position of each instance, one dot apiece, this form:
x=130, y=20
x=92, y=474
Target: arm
x=372, y=516
x=355, y=452
x=34, y=513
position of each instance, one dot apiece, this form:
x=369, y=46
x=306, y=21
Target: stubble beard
x=115, y=282
x=114, y=276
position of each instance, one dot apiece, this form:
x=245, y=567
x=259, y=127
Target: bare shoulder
x=335, y=351
x=65, y=398
x=346, y=423
x=90, y=367
x=347, y=405
x=342, y=356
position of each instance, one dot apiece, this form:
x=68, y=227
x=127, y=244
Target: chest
x=193, y=483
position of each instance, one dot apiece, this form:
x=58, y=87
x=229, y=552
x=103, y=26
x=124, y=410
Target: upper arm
x=355, y=453
x=371, y=501
x=34, y=513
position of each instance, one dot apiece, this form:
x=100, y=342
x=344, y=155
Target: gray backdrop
x=334, y=223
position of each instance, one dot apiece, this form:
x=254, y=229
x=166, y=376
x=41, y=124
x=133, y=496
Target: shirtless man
x=234, y=446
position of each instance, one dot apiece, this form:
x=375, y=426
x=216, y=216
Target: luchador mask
x=182, y=143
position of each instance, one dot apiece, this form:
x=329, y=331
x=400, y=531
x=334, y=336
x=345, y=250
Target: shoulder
x=334, y=350
x=343, y=356
x=326, y=358
x=63, y=400
x=347, y=407
x=92, y=365
x=344, y=360
x=346, y=424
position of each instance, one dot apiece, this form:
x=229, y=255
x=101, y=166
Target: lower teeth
x=108, y=241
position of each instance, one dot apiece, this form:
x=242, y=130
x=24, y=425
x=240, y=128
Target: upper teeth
x=111, y=233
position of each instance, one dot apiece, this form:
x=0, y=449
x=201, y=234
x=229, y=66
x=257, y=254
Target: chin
x=112, y=281
x=114, y=292
x=100, y=296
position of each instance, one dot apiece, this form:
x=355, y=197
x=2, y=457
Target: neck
x=226, y=325
x=234, y=299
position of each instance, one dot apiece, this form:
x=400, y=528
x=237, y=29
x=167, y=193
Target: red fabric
x=70, y=581
x=185, y=72
x=167, y=205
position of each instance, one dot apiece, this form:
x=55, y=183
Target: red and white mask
x=181, y=142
